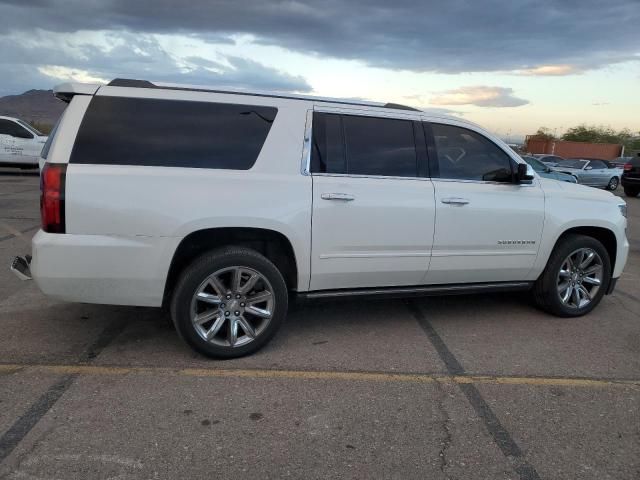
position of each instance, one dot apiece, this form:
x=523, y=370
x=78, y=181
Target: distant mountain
x=39, y=106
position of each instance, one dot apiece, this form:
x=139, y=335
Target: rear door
x=373, y=206
x=488, y=228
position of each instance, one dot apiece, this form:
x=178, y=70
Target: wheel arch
x=604, y=235
x=270, y=243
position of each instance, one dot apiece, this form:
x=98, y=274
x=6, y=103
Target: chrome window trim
x=348, y=175
x=308, y=139
x=487, y=182
x=368, y=112
x=305, y=166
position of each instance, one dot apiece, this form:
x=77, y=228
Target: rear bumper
x=102, y=269
x=630, y=181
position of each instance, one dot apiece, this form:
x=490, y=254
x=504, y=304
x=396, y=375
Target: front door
x=373, y=213
x=487, y=228
x=600, y=173
x=16, y=142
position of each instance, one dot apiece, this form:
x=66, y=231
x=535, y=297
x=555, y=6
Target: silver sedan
x=593, y=173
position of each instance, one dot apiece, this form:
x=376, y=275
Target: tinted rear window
x=172, y=133
x=380, y=146
x=327, y=155
x=44, y=153
x=363, y=146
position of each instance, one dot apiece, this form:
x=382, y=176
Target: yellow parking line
x=320, y=375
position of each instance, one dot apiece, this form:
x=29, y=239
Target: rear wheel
x=229, y=302
x=613, y=183
x=631, y=191
x=575, y=278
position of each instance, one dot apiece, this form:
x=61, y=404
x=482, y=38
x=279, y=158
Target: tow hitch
x=21, y=266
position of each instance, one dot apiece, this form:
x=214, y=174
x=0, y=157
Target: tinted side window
x=44, y=153
x=172, y=133
x=380, y=146
x=466, y=155
x=327, y=154
x=7, y=127
x=597, y=164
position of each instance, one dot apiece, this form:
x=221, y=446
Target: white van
x=20, y=143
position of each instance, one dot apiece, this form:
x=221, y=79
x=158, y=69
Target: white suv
x=218, y=204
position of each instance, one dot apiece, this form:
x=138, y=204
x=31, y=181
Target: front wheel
x=575, y=278
x=613, y=183
x=229, y=302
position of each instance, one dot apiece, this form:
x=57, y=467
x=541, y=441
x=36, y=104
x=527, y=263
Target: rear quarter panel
x=172, y=202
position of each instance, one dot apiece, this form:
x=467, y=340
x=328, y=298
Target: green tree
x=601, y=134
x=545, y=133
x=591, y=133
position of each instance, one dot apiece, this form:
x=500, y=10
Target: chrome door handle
x=455, y=201
x=337, y=196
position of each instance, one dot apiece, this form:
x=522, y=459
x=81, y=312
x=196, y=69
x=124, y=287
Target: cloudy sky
x=510, y=65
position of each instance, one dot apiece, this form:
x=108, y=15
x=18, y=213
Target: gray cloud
x=419, y=35
x=480, y=96
x=133, y=56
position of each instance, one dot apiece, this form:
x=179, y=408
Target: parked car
x=593, y=173
x=631, y=177
x=549, y=160
x=612, y=164
x=208, y=210
x=621, y=160
x=608, y=163
x=546, y=171
x=20, y=143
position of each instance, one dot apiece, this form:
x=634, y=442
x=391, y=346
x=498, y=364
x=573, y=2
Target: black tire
x=631, y=192
x=613, y=183
x=545, y=290
x=204, y=266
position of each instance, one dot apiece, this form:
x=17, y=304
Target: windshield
x=30, y=128
x=580, y=164
x=537, y=165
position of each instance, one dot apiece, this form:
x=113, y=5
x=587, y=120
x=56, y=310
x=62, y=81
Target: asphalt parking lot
x=481, y=387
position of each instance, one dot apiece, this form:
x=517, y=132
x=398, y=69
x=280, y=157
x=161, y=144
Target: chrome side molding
x=423, y=290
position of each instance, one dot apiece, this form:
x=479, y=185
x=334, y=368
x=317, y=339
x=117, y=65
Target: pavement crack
x=445, y=422
x=624, y=307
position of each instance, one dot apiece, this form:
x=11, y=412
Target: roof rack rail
x=130, y=82
x=399, y=106
x=135, y=83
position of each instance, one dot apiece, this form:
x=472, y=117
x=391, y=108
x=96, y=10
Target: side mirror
x=524, y=174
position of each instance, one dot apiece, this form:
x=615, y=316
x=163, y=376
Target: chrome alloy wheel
x=580, y=278
x=232, y=306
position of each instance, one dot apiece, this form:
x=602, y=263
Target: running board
x=427, y=290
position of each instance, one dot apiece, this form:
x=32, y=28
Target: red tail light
x=52, y=180
x=628, y=167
